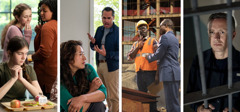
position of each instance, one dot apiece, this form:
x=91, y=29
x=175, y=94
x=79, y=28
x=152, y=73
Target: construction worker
x=145, y=71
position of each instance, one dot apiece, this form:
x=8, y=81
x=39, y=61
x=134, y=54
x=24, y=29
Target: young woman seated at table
x=15, y=76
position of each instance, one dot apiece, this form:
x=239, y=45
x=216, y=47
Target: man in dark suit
x=168, y=65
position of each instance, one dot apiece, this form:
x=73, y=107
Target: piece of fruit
x=15, y=103
x=37, y=98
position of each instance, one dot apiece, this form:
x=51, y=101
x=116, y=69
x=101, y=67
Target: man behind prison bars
x=216, y=65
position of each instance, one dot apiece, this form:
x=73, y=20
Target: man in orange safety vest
x=145, y=71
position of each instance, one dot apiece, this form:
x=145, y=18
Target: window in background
x=6, y=10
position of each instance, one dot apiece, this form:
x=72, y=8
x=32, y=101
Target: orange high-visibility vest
x=141, y=63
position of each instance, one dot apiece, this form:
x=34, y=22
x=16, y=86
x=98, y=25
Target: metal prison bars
x=207, y=94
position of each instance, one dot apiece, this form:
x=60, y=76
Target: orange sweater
x=45, y=57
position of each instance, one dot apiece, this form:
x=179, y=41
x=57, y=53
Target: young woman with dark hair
x=15, y=75
x=22, y=17
x=81, y=88
x=45, y=45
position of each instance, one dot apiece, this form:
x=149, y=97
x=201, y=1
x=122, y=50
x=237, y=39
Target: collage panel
x=28, y=68
x=83, y=62
x=151, y=43
x=211, y=56
x=89, y=56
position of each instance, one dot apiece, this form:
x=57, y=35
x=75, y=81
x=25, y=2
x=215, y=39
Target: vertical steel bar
x=194, y=4
x=229, y=2
x=230, y=102
x=199, y=50
x=230, y=30
x=200, y=57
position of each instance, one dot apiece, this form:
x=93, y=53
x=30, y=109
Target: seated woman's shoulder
x=3, y=65
x=29, y=67
x=88, y=67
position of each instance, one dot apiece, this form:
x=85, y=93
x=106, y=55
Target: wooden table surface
x=4, y=109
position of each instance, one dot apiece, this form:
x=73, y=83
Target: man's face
x=142, y=29
x=107, y=19
x=218, y=35
x=162, y=29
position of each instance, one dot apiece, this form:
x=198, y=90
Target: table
x=4, y=109
x=136, y=101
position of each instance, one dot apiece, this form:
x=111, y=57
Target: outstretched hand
x=100, y=51
x=91, y=38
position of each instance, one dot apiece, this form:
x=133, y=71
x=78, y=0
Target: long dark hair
x=17, y=43
x=52, y=4
x=67, y=53
x=18, y=10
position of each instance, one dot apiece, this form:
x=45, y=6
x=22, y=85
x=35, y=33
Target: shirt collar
x=20, y=30
x=170, y=32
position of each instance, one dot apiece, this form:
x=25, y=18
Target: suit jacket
x=167, y=55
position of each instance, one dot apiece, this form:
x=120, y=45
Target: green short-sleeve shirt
x=65, y=94
x=17, y=91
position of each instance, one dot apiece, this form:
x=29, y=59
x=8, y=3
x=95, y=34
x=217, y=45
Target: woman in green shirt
x=15, y=75
x=81, y=88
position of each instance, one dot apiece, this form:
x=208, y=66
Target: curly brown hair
x=67, y=53
x=52, y=4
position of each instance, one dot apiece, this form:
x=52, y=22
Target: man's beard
x=162, y=31
x=143, y=34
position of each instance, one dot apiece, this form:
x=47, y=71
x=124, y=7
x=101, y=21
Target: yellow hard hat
x=141, y=22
